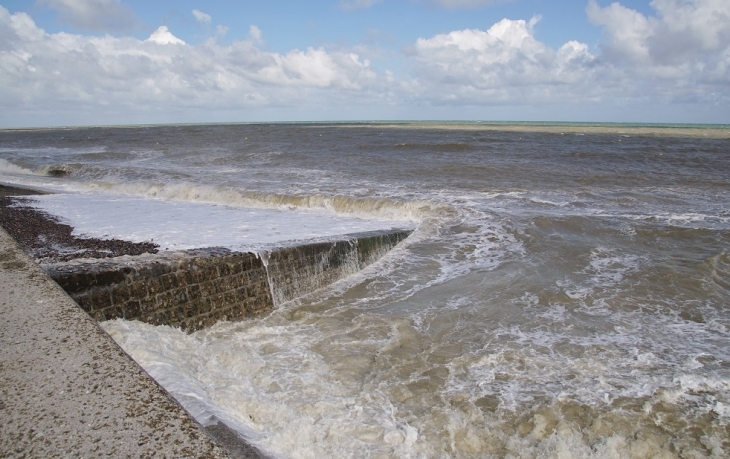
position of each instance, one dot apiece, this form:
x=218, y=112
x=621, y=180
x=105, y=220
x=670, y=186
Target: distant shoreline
x=557, y=127
x=720, y=131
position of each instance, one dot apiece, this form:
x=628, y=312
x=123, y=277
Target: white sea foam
x=248, y=374
x=298, y=388
x=691, y=220
x=179, y=225
x=6, y=167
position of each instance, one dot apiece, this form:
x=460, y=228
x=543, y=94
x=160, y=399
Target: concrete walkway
x=67, y=389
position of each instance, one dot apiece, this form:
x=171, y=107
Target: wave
x=381, y=208
x=34, y=151
x=719, y=270
x=48, y=170
x=57, y=170
x=377, y=208
x=6, y=167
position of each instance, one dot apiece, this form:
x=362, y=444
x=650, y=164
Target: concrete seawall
x=195, y=289
x=68, y=390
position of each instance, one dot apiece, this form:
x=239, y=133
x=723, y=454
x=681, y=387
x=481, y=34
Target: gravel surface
x=45, y=238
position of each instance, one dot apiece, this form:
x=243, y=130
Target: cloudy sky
x=65, y=62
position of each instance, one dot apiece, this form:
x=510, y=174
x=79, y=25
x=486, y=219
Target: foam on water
x=345, y=384
x=181, y=225
x=250, y=379
x=385, y=208
x=346, y=373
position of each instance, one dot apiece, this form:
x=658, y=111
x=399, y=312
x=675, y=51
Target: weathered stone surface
x=172, y=289
x=196, y=288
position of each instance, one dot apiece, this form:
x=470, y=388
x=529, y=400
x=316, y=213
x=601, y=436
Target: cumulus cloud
x=626, y=30
x=76, y=72
x=254, y=33
x=504, y=63
x=679, y=54
x=203, y=18
x=94, y=15
x=163, y=36
x=686, y=44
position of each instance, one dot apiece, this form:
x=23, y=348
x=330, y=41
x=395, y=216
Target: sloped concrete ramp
x=68, y=390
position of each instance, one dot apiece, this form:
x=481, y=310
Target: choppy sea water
x=566, y=292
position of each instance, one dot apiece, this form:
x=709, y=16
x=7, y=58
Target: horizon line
x=386, y=122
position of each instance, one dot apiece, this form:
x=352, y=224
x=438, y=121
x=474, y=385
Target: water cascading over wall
x=298, y=270
x=195, y=289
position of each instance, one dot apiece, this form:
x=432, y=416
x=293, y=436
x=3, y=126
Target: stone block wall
x=197, y=288
x=190, y=290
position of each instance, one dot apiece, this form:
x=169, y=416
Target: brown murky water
x=566, y=292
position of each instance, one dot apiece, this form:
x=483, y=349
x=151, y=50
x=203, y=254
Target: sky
x=92, y=62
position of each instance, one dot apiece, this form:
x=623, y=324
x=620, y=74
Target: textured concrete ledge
x=190, y=290
x=68, y=390
x=194, y=289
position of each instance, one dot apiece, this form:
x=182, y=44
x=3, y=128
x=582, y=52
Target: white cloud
x=96, y=15
x=254, y=33
x=68, y=73
x=504, y=63
x=685, y=38
x=679, y=55
x=221, y=30
x=626, y=30
x=163, y=36
x=706, y=23
x=201, y=17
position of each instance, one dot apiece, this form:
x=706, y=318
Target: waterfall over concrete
x=298, y=270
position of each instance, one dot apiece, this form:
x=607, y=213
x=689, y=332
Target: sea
x=565, y=292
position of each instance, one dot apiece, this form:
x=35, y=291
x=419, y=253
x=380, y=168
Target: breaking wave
x=378, y=208
x=48, y=170
x=6, y=167
x=57, y=170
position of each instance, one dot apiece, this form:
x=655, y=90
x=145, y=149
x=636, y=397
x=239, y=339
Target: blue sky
x=292, y=24
x=127, y=62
